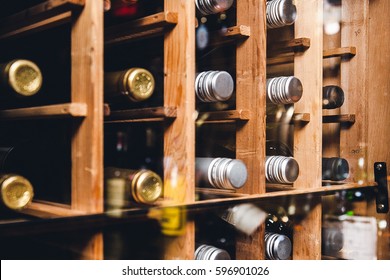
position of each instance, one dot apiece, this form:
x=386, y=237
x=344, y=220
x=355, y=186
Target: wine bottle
x=208, y=252
x=209, y=7
x=280, y=13
x=245, y=217
x=16, y=191
x=124, y=186
x=278, y=237
x=277, y=246
x=332, y=240
x=20, y=78
x=332, y=97
x=44, y=160
x=214, y=86
x=281, y=169
x=284, y=90
x=335, y=169
x=220, y=173
x=136, y=84
x=117, y=11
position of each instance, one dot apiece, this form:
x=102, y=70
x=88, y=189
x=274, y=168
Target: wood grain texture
x=149, y=26
x=38, y=13
x=354, y=81
x=378, y=107
x=308, y=138
x=144, y=113
x=87, y=87
x=294, y=45
x=250, y=95
x=179, y=136
x=331, y=76
x=49, y=111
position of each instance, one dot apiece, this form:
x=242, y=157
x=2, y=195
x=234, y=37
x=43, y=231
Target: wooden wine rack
x=301, y=50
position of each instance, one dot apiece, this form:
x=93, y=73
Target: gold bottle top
x=24, y=77
x=146, y=186
x=16, y=191
x=138, y=83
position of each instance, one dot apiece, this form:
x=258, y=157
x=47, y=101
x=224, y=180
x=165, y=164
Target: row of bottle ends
x=23, y=78
x=124, y=186
x=17, y=192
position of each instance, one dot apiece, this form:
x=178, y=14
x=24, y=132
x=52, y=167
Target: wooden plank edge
x=230, y=115
x=140, y=114
x=346, y=118
x=140, y=28
x=47, y=210
x=345, y=52
x=294, y=45
x=41, y=12
x=49, y=111
x=39, y=26
x=303, y=118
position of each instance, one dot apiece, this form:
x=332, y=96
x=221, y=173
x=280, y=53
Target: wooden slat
x=141, y=115
x=308, y=138
x=87, y=87
x=295, y=118
x=29, y=19
x=231, y=115
x=50, y=210
x=347, y=118
x=250, y=136
x=179, y=136
x=49, y=111
x=232, y=34
x=149, y=26
x=378, y=108
x=331, y=76
x=354, y=139
x=345, y=52
x=37, y=27
x=294, y=45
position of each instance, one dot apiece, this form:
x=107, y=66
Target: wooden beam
x=308, y=138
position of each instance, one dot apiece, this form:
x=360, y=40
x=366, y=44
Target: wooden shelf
x=295, y=118
x=142, y=115
x=294, y=45
x=46, y=15
x=150, y=26
x=46, y=210
x=345, y=53
x=50, y=111
x=347, y=118
x=57, y=218
x=223, y=116
x=231, y=34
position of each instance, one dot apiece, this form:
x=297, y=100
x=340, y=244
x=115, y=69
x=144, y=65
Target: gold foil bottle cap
x=139, y=83
x=16, y=191
x=146, y=186
x=24, y=77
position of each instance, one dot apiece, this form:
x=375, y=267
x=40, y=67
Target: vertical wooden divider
x=250, y=92
x=308, y=138
x=87, y=141
x=179, y=136
x=354, y=81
